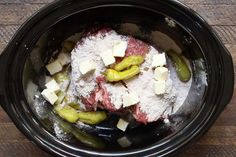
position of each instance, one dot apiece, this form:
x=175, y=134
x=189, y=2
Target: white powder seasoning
x=71, y=93
x=182, y=87
x=143, y=85
x=60, y=133
x=116, y=91
x=156, y=106
x=90, y=48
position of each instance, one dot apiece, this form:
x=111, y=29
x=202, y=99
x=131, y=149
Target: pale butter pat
x=130, y=99
x=122, y=124
x=48, y=79
x=160, y=87
x=107, y=57
x=124, y=142
x=158, y=60
x=119, y=49
x=161, y=73
x=64, y=58
x=53, y=86
x=54, y=67
x=87, y=66
x=49, y=95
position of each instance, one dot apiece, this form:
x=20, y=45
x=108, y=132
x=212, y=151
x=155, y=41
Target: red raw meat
x=106, y=101
x=100, y=97
x=138, y=114
x=136, y=47
x=90, y=102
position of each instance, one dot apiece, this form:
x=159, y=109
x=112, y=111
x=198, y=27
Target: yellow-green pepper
x=93, y=117
x=68, y=45
x=71, y=115
x=74, y=105
x=68, y=113
x=88, y=139
x=129, y=61
x=61, y=76
x=180, y=65
x=83, y=137
x=112, y=75
x=61, y=95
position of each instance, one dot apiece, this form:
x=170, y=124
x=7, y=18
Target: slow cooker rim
x=7, y=108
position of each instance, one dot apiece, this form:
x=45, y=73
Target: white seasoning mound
x=71, y=91
x=182, y=87
x=156, y=106
x=91, y=48
x=153, y=105
x=116, y=91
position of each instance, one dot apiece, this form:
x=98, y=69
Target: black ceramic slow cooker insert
x=22, y=61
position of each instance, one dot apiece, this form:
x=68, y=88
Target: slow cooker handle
x=3, y=66
x=228, y=74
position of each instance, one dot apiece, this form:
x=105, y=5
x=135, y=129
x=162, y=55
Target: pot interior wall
x=154, y=28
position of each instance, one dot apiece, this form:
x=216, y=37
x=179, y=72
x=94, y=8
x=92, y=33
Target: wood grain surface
x=219, y=141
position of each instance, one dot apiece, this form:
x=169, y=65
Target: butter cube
x=122, y=124
x=124, y=142
x=161, y=73
x=130, y=99
x=64, y=58
x=87, y=66
x=53, y=86
x=49, y=95
x=119, y=49
x=54, y=67
x=107, y=57
x=160, y=87
x=48, y=79
x=158, y=60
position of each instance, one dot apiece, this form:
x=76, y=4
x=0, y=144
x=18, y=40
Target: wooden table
x=220, y=141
